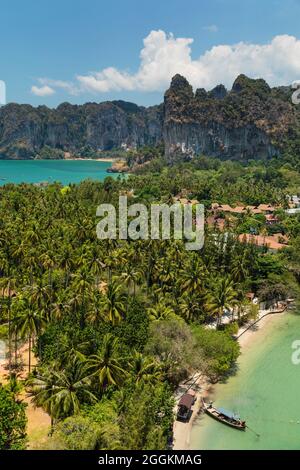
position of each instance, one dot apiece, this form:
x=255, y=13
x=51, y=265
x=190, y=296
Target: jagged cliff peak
x=179, y=82
x=180, y=88
x=201, y=94
x=244, y=83
x=219, y=92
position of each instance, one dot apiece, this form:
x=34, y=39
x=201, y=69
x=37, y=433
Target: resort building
x=267, y=210
x=271, y=242
x=271, y=219
x=185, y=201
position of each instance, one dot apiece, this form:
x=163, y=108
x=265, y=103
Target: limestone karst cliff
x=251, y=121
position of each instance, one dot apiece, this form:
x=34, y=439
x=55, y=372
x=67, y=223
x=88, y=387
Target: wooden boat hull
x=214, y=413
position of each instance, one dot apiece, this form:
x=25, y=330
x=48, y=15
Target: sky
x=53, y=51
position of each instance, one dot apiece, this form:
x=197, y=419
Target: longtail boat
x=224, y=416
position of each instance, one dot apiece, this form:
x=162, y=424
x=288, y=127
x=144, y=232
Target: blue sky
x=77, y=51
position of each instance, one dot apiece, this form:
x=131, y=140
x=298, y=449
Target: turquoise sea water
x=265, y=392
x=64, y=171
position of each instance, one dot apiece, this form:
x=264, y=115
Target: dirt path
x=39, y=422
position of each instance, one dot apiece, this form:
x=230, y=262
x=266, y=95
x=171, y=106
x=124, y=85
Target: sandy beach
x=108, y=160
x=203, y=388
x=104, y=159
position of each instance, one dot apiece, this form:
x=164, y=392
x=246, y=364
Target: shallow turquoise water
x=64, y=171
x=265, y=392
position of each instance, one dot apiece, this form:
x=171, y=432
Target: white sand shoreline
x=103, y=159
x=182, y=431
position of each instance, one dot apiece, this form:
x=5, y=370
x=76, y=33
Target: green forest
x=113, y=326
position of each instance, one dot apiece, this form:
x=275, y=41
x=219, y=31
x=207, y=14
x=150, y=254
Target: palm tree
x=82, y=285
x=131, y=277
x=39, y=295
x=145, y=369
x=29, y=323
x=192, y=275
x=105, y=366
x=240, y=267
x=60, y=307
x=160, y=311
x=61, y=392
x=8, y=285
x=221, y=296
x=48, y=261
x=95, y=313
x=190, y=307
x=112, y=303
x=66, y=262
x=42, y=390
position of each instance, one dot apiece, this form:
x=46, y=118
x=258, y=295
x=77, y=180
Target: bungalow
x=185, y=407
x=271, y=219
x=221, y=207
x=238, y=210
x=185, y=201
x=267, y=208
x=213, y=221
x=281, y=238
x=269, y=242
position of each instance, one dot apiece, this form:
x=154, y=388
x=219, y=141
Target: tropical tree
x=160, y=311
x=145, y=369
x=105, y=366
x=221, y=296
x=8, y=285
x=13, y=421
x=112, y=303
x=28, y=322
x=61, y=392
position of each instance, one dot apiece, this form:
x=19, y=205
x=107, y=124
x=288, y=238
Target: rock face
x=25, y=130
x=251, y=121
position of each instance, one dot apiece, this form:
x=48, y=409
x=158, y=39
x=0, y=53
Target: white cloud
x=67, y=86
x=212, y=28
x=163, y=56
x=42, y=91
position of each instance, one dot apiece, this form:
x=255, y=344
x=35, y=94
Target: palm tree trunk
x=51, y=425
x=67, y=278
x=29, y=354
x=9, y=336
x=16, y=348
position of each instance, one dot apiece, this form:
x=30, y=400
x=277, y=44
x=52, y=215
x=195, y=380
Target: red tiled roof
x=266, y=207
x=260, y=240
x=271, y=217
